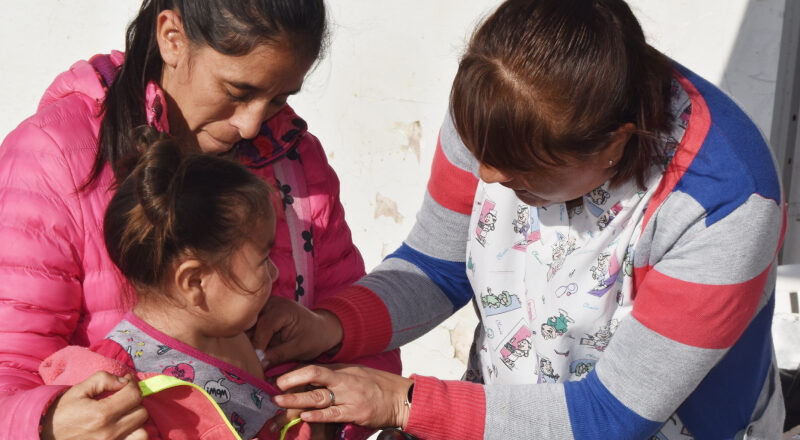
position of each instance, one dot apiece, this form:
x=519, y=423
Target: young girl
x=193, y=235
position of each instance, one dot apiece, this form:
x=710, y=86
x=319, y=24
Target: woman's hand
x=287, y=331
x=362, y=395
x=77, y=415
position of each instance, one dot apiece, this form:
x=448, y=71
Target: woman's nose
x=248, y=119
x=492, y=175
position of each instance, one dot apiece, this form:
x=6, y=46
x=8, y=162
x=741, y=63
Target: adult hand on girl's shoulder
x=361, y=395
x=77, y=414
x=287, y=331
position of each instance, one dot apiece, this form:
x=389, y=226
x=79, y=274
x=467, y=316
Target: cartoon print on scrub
x=486, y=222
x=546, y=372
x=627, y=262
x=519, y=345
x=561, y=250
x=606, y=272
x=605, y=219
x=494, y=304
x=526, y=225
x=556, y=325
x=599, y=341
x=582, y=367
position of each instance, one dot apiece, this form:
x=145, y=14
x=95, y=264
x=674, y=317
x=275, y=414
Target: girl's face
x=236, y=303
x=216, y=100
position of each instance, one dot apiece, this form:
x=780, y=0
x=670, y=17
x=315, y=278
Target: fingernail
x=123, y=379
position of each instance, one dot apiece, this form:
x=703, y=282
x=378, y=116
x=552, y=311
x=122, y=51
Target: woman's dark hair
x=231, y=27
x=545, y=80
x=174, y=205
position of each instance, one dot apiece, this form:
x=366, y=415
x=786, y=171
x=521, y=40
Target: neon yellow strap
x=288, y=426
x=162, y=382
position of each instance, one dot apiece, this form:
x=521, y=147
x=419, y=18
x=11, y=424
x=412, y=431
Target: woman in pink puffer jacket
x=213, y=75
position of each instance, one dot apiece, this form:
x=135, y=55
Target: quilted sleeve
x=40, y=273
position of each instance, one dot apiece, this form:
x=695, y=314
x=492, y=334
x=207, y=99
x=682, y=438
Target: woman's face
x=553, y=184
x=216, y=100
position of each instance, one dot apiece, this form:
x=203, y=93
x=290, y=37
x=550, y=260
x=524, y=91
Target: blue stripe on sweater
x=724, y=401
x=449, y=276
x=595, y=413
x=734, y=161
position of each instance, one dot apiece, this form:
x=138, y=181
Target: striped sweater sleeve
x=424, y=281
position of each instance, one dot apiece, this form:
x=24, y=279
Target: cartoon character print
x=561, y=250
x=605, y=271
x=486, y=222
x=518, y=346
x=494, y=304
x=627, y=262
x=556, y=325
x=526, y=226
x=600, y=269
x=598, y=196
x=547, y=374
x=599, y=341
x=605, y=218
x=582, y=367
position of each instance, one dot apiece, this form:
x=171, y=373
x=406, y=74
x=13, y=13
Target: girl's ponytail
x=175, y=204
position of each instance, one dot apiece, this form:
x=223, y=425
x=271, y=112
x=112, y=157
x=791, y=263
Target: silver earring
x=610, y=162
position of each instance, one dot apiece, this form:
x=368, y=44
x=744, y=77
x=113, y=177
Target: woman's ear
x=190, y=281
x=616, y=147
x=172, y=40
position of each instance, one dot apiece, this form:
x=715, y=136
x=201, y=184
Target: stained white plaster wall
x=377, y=100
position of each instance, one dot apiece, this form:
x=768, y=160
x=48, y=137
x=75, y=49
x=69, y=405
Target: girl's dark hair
x=231, y=27
x=181, y=205
x=545, y=80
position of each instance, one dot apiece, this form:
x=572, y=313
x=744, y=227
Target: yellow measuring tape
x=162, y=382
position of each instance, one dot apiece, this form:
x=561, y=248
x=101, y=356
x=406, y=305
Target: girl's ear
x=190, y=281
x=172, y=40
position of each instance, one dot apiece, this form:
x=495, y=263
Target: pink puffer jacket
x=57, y=283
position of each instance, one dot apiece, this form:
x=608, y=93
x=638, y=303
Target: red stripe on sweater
x=449, y=185
x=366, y=323
x=447, y=409
x=684, y=311
x=696, y=131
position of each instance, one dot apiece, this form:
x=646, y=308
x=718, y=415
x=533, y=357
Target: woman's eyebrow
x=251, y=88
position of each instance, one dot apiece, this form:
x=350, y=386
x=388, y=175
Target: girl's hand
x=78, y=415
x=362, y=395
x=287, y=331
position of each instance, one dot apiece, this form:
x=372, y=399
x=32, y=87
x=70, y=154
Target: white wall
x=377, y=100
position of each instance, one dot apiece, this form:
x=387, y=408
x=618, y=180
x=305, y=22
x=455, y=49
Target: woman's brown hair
x=231, y=27
x=181, y=205
x=546, y=80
